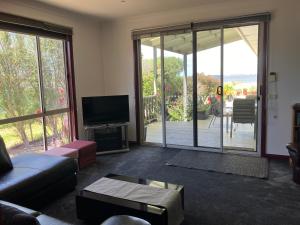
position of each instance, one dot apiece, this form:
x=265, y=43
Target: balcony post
x=185, y=100
x=155, y=70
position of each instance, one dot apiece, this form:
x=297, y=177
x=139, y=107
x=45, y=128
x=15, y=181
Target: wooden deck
x=181, y=133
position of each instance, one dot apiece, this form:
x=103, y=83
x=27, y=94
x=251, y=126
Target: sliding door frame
x=195, y=94
x=222, y=91
x=163, y=96
x=195, y=85
x=262, y=20
x=137, y=90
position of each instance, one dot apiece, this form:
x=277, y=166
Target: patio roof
x=182, y=43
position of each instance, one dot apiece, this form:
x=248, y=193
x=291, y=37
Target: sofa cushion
x=5, y=162
x=12, y=216
x=33, y=173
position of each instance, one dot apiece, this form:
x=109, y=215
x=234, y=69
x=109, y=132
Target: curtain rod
x=156, y=31
x=28, y=23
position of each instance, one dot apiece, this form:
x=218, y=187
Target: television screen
x=105, y=109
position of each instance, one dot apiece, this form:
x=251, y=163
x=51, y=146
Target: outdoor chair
x=243, y=111
x=251, y=97
x=215, y=111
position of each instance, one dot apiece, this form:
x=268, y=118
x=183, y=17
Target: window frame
x=39, y=29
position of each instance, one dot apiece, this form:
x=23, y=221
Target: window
x=34, y=96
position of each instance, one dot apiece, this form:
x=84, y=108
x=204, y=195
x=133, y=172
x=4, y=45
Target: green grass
x=11, y=137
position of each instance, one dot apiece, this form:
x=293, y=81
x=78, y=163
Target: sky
x=239, y=59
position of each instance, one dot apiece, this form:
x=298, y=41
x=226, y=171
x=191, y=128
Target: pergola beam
x=183, y=44
x=245, y=38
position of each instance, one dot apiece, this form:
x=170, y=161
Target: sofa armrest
x=24, y=209
x=47, y=220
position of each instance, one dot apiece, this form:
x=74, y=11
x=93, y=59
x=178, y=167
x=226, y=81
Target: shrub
x=176, y=110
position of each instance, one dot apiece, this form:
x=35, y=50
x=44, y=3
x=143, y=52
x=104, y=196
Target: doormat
x=224, y=163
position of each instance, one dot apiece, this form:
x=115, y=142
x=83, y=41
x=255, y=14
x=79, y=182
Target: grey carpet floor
x=224, y=163
x=210, y=198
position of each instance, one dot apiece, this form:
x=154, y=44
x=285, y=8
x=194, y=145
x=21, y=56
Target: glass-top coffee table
x=95, y=207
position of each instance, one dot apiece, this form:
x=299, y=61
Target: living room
x=106, y=50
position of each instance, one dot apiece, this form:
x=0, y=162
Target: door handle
x=219, y=90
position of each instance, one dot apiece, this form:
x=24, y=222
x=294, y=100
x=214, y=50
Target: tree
x=148, y=87
x=18, y=78
x=173, y=79
x=54, y=81
x=173, y=84
x=207, y=85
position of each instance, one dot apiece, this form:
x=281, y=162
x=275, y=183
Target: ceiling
x=113, y=9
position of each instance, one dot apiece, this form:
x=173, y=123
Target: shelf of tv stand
x=95, y=126
x=124, y=128
x=113, y=151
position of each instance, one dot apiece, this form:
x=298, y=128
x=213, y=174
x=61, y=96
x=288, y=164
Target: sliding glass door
x=209, y=85
x=167, y=85
x=178, y=84
x=151, y=81
x=227, y=81
x=241, y=81
x=200, y=88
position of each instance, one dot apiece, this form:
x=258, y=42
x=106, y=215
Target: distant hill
x=238, y=78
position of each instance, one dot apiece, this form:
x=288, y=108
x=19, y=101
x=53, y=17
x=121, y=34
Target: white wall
x=283, y=57
x=103, y=53
x=86, y=45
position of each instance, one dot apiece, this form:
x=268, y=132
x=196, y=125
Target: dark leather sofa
x=36, y=178
x=40, y=217
x=33, y=179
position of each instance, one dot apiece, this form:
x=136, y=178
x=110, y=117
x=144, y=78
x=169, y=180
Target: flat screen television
x=105, y=109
